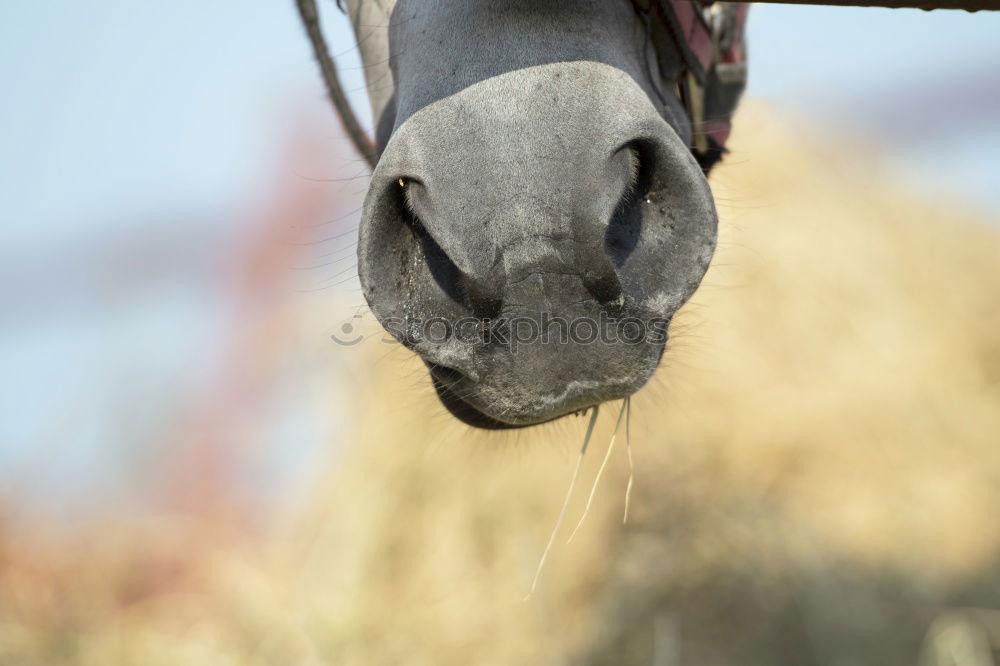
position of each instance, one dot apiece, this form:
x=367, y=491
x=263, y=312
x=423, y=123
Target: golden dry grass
x=817, y=478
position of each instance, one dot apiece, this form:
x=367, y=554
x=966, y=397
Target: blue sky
x=120, y=106
x=123, y=117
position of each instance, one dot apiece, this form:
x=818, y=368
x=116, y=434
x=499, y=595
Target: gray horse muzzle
x=531, y=236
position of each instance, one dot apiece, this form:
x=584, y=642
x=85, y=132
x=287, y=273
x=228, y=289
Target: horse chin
x=468, y=414
x=504, y=400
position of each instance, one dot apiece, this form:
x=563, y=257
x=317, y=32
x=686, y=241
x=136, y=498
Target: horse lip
x=452, y=386
x=445, y=374
x=451, y=375
x=472, y=400
x=471, y=415
x=466, y=412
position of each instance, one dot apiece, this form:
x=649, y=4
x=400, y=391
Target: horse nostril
x=443, y=270
x=606, y=289
x=456, y=277
x=484, y=302
x=625, y=226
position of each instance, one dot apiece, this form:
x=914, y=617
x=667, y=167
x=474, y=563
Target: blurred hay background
x=818, y=476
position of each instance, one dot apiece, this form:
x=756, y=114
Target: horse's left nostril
x=630, y=167
x=625, y=226
x=605, y=288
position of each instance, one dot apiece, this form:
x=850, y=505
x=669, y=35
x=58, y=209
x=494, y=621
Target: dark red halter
x=710, y=37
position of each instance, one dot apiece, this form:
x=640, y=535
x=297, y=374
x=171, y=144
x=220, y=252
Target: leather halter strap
x=710, y=36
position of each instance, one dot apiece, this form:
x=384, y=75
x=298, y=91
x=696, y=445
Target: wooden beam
x=967, y=5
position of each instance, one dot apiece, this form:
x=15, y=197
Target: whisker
x=323, y=265
x=311, y=179
x=336, y=219
x=331, y=253
x=317, y=241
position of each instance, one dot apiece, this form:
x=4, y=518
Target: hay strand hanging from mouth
x=628, y=450
x=600, y=471
x=562, y=511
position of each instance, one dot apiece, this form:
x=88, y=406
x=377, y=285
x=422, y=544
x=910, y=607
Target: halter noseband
x=710, y=37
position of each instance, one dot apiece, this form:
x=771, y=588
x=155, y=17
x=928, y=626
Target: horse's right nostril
x=445, y=273
x=484, y=300
x=481, y=295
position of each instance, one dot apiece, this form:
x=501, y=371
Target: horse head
x=536, y=215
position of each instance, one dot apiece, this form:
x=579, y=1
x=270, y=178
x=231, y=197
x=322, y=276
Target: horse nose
x=523, y=196
x=477, y=254
x=462, y=261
